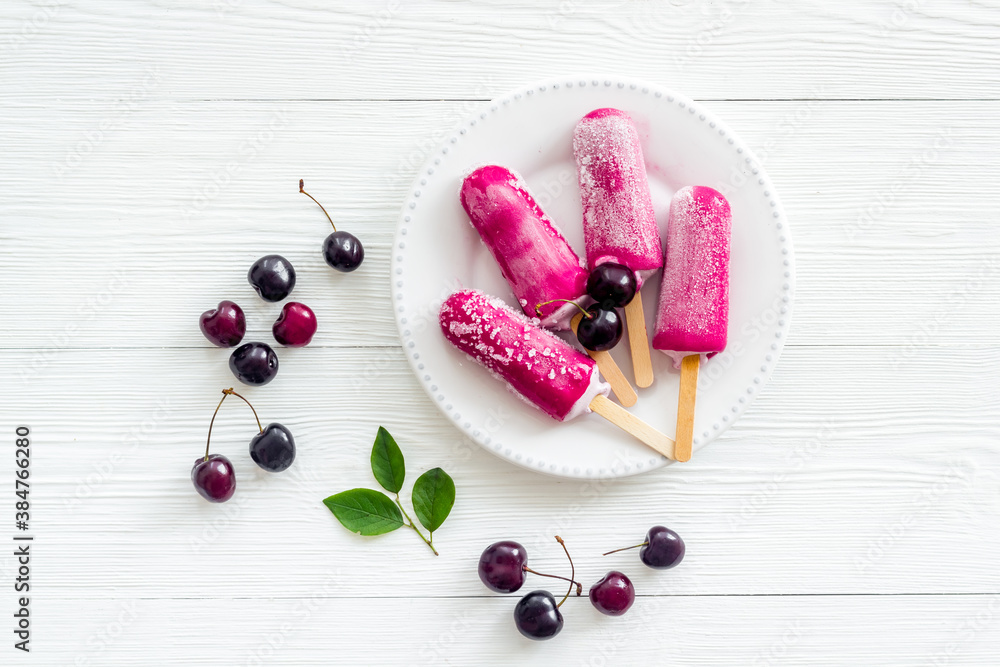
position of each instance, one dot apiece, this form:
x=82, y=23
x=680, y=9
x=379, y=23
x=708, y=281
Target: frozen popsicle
x=534, y=257
x=693, y=314
x=536, y=365
x=618, y=221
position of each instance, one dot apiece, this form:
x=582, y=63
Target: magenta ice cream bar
x=532, y=253
x=693, y=313
x=618, y=221
x=537, y=365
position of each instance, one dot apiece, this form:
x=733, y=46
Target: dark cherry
x=502, y=566
x=601, y=329
x=537, y=616
x=254, y=363
x=612, y=595
x=273, y=277
x=663, y=550
x=295, y=326
x=612, y=285
x=273, y=449
x=341, y=250
x=214, y=478
x=224, y=325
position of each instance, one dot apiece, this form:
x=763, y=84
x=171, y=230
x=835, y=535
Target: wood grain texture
x=315, y=630
x=253, y=49
x=686, y=396
x=638, y=342
x=150, y=151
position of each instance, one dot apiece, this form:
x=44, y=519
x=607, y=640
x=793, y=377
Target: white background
x=150, y=151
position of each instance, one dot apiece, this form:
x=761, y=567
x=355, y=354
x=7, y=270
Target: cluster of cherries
x=503, y=567
x=273, y=278
x=611, y=286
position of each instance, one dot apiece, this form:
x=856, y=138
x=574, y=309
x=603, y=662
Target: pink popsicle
x=693, y=313
x=537, y=365
x=532, y=253
x=618, y=221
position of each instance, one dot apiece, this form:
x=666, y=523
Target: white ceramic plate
x=530, y=130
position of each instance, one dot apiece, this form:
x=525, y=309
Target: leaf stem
x=414, y=526
x=634, y=546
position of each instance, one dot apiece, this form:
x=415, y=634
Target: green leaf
x=433, y=498
x=365, y=511
x=387, y=462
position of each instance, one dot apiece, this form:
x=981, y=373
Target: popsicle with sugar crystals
x=693, y=314
x=618, y=221
x=536, y=365
x=533, y=255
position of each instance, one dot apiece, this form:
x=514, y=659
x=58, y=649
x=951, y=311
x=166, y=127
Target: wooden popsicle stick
x=685, y=406
x=609, y=369
x=632, y=425
x=642, y=364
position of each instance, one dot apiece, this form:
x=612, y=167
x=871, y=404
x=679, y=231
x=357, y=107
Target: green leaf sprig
x=369, y=512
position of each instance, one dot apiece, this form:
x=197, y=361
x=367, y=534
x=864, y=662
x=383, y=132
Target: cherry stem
x=225, y=393
x=302, y=184
x=579, y=586
x=409, y=522
x=538, y=308
x=211, y=423
x=230, y=391
x=636, y=546
x=572, y=573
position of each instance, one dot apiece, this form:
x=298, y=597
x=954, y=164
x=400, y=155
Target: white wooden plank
x=848, y=476
x=253, y=49
x=893, y=248
x=810, y=631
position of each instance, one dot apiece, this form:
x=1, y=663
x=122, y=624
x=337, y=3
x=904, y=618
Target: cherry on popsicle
x=693, y=314
x=545, y=274
x=537, y=365
x=618, y=221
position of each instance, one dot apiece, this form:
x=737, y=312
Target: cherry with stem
x=662, y=550
x=537, y=615
x=341, y=250
x=214, y=476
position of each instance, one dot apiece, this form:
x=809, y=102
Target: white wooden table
x=151, y=151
